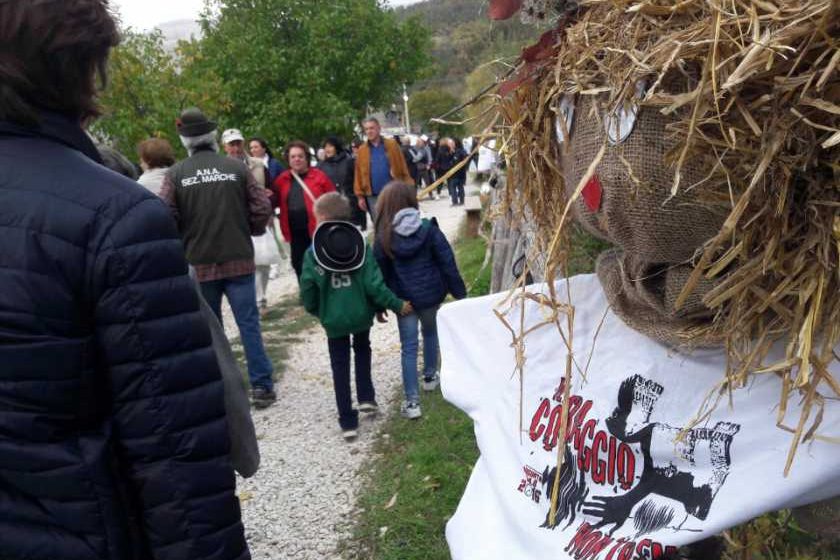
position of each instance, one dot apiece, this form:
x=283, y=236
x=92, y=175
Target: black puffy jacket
x=113, y=441
x=340, y=169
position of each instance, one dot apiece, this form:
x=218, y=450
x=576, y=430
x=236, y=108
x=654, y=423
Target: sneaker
x=350, y=434
x=370, y=407
x=263, y=398
x=430, y=382
x=410, y=410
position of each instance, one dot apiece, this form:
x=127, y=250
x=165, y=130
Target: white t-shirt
x=628, y=490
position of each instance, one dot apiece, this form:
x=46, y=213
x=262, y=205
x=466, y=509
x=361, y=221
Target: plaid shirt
x=217, y=271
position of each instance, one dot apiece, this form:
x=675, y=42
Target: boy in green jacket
x=342, y=285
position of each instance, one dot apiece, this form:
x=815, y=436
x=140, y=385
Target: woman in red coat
x=297, y=221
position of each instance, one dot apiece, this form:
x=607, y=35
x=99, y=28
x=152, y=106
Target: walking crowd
x=124, y=410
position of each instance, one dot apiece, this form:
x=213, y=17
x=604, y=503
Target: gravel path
x=300, y=503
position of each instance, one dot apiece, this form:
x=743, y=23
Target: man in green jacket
x=342, y=285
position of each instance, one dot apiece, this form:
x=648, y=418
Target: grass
x=281, y=328
x=414, y=485
x=470, y=255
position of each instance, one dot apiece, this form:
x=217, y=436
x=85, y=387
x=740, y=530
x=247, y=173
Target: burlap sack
x=655, y=235
x=655, y=238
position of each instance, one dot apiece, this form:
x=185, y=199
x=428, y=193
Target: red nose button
x=592, y=194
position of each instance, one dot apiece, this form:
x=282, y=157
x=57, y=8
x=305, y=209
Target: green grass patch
x=470, y=256
x=281, y=329
x=414, y=485
x=585, y=249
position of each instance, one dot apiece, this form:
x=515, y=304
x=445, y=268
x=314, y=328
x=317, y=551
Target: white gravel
x=301, y=502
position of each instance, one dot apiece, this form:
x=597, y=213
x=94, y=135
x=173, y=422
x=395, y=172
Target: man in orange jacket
x=378, y=162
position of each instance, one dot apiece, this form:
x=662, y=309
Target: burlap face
x=655, y=235
x=642, y=218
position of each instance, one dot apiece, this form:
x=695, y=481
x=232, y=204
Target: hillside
x=464, y=38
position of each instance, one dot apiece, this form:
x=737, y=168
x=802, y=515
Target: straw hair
x=756, y=109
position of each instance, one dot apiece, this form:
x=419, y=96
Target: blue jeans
x=241, y=293
x=456, y=190
x=408, y=325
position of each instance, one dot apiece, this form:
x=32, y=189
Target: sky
x=145, y=14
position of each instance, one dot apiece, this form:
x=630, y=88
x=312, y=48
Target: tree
x=308, y=68
x=431, y=103
x=480, y=111
x=147, y=89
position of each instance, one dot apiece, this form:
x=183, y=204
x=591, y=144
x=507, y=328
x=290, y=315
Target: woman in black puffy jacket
x=339, y=166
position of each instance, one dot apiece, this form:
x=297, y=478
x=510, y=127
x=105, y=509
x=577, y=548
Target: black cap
x=192, y=122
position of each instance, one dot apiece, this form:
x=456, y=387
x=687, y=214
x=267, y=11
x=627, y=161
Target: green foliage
x=147, y=89
x=775, y=536
x=470, y=256
x=430, y=103
x=306, y=68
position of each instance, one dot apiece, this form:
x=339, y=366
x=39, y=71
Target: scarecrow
x=692, y=383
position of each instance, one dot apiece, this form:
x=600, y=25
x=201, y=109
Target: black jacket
x=340, y=169
x=444, y=160
x=113, y=439
x=423, y=270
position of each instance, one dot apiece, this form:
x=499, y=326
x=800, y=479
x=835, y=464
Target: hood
x=407, y=221
x=411, y=233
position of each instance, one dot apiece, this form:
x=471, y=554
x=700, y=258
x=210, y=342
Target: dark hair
x=394, y=197
x=333, y=206
x=52, y=53
x=117, y=162
x=262, y=143
x=335, y=142
x=156, y=152
x=296, y=144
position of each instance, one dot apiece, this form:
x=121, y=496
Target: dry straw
x=763, y=118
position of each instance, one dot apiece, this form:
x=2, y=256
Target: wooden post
x=473, y=209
